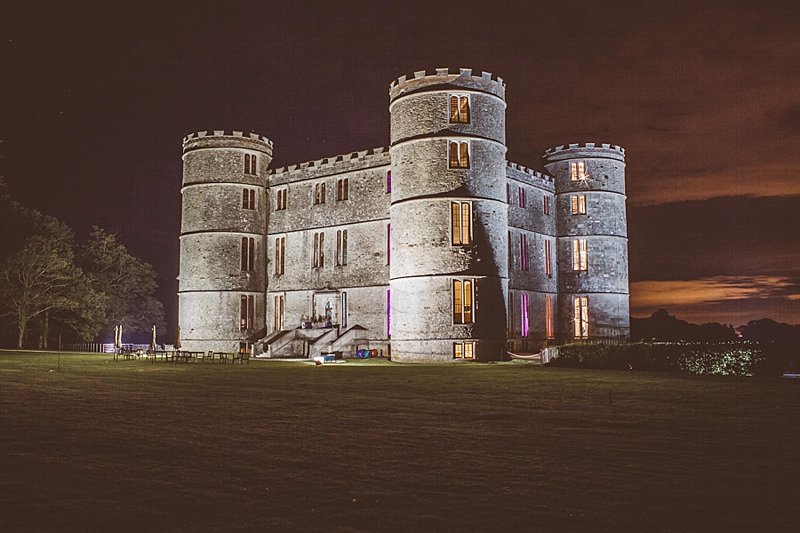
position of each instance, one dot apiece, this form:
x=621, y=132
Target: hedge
x=728, y=359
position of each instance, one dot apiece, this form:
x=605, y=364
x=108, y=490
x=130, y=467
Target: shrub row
x=730, y=358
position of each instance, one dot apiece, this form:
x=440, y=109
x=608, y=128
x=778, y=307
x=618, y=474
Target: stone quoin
x=435, y=249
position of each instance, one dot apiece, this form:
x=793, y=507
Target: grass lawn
x=104, y=446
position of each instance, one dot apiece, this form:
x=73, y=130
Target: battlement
x=337, y=164
x=485, y=82
x=578, y=150
x=226, y=134
x=531, y=177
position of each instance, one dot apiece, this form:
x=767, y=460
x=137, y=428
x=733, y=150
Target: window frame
x=318, y=259
x=342, y=189
x=463, y=300
x=458, y=113
x=280, y=255
x=577, y=171
x=460, y=350
x=459, y=234
x=580, y=255
x=248, y=254
x=341, y=247
x=319, y=193
x=580, y=317
x=578, y=204
x=461, y=159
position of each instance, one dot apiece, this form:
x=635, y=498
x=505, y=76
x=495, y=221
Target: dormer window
x=459, y=109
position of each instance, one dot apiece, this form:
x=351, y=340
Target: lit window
x=341, y=247
x=578, y=204
x=579, y=255
x=279, y=312
x=342, y=189
x=464, y=350
x=388, y=243
x=280, y=252
x=459, y=109
x=246, y=312
x=388, y=181
x=459, y=154
x=248, y=254
x=388, y=312
x=250, y=164
x=548, y=317
x=319, y=250
x=577, y=170
x=248, y=198
x=280, y=199
x=580, y=317
x=523, y=305
x=461, y=217
x=463, y=298
x=521, y=197
x=523, y=251
x=319, y=193
x=546, y=204
x=548, y=268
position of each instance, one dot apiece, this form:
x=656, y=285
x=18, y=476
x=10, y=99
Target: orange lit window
x=577, y=170
x=578, y=204
x=580, y=259
x=459, y=109
x=461, y=218
x=463, y=297
x=458, y=154
x=464, y=350
x=548, y=317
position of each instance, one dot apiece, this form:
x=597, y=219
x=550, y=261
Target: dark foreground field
x=106, y=446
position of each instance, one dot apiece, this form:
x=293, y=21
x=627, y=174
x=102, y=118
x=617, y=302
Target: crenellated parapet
x=464, y=79
x=331, y=165
x=227, y=139
x=581, y=150
x=529, y=176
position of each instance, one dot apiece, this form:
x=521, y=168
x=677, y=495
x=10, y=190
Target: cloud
x=727, y=299
x=776, y=179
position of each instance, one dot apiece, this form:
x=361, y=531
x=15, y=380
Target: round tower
x=222, y=281
x=448, y=275
x=592, y=241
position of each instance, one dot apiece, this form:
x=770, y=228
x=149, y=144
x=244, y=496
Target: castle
x=435, y=249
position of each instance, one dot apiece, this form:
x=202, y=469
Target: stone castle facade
x=435, y=249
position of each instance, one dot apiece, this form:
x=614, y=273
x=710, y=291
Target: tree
x=42, y=279
x=129, y=283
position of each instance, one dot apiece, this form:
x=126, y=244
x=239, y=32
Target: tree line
x=53, y=287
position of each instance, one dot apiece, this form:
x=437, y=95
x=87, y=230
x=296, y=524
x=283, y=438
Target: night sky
x=705, y=97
